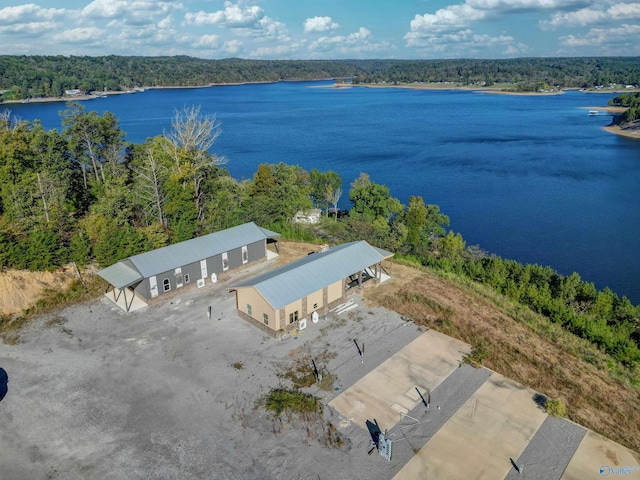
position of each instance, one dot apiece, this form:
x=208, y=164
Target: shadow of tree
x=4, y=379
x=541, y=401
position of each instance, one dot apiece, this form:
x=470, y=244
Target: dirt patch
x=21, y=289
x=289, y=251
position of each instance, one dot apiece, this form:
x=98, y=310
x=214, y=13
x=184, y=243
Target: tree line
x=24, y=77
x=630, y=100
x=83, y=194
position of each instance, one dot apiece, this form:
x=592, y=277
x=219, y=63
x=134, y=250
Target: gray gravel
x=166, y=393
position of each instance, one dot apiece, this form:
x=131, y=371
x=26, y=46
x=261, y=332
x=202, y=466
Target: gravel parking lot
x=166, y=392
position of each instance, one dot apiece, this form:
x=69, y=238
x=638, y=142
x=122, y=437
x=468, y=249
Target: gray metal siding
x=193, y=270
x=189, y=251
x=235, y=258
x=256, y=251
x=214, y=264
x=143, y=289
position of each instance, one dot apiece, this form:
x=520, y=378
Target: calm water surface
x=534, y=179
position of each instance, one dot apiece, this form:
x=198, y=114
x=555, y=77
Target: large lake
x=532, y=178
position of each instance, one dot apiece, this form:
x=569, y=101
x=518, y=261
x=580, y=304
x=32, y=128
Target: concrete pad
x=126, y=299
x=389, y=390
x=599, y=457
x=493, y=426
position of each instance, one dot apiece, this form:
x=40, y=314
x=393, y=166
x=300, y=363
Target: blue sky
x=322, y=29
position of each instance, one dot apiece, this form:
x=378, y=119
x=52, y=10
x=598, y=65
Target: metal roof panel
x=304, y=276
x=121, y=275
x=190, y=251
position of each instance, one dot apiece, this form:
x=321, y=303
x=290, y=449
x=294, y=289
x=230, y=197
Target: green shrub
x=555, y=407
x=291, y=401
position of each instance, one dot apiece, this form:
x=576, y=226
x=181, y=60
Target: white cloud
x=452, y=17
x=105, y=9
x=612, y=38
x=361, y=35
x=507, y=5
x=208, y=41
x=244, y=20
x=29, y=13
x=233, y=16
x=624, y=11
x=82, y=35
x=270, y=29
x=463, y=43
x=517, y=49
x=360, y=42
x=30, y=28
x=319, y=24
x=133, y=11
x=166, y=23
x=488, y=40
x=232, y=47
x=582, y=17
x=278, y=51
x=592, y=16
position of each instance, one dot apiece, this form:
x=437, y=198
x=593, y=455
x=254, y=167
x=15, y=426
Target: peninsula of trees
x=27, y=77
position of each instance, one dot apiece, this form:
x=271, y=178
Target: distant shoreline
x=98, y=95
x=411, y=86
x=445, y=86
x=632, y=131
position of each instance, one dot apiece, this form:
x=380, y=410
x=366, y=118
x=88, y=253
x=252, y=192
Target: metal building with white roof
x=159, y=271
x=278, y=300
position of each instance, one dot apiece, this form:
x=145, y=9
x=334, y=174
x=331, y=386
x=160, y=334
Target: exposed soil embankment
x=21, y=289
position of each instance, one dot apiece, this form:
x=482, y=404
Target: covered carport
x=123, y=278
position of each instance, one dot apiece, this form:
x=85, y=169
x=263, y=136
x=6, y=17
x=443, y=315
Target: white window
x=166, y=285
x=203, y=269
x=265, y=319
x=187, y=279
x=178, y=275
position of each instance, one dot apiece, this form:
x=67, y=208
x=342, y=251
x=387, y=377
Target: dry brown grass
x=528, y=350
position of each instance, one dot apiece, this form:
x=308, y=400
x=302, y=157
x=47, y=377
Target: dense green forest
x=83, y=194
x=632, y=102
x=23, y=77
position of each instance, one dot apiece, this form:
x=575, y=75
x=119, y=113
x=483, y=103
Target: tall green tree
x=151, y=167
x=94, y=141
x=372, y=202
x=323, y=188
x=276, y=193
x=188, y=144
